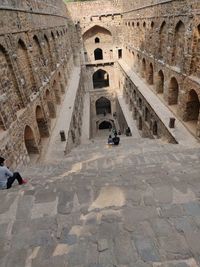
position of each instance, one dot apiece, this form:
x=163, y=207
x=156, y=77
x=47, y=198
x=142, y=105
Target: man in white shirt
x=7, y=178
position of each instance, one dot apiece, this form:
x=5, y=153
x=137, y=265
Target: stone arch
x=62, y=87
x=143, y=68
x=106, y=124
x=152, y=24
x=97, y=40
x=150, y=78
x=50, y=105
x=29, y=140
x=160, y=82
x=97, y=31
x=155, y=128
x=39, y=58
x=146, y=114
x=195, y=63
x=140, y=126
x=91, y=31
x=192, y=106
x=55, y=51
x=48, y=50
x=98, y=54
x=162, y=39
x=2, y=126
x=8, y=81
x=27, y=79
x=41, y=122
x=178, y=50
x=56, y=92
x=173, y=92
x=100, y=79
x=103, y=106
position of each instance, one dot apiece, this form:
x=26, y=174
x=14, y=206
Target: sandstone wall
x=36, y=59
x=161, y=43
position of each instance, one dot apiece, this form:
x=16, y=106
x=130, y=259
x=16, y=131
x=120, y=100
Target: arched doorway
x=144, y=68
x=103, y=106
x=97, y=40
x=29, y=140
x=179, y=40
x=140, y=124
x=192, y=106
x=2, y=127
x=25, y=69
x=192, y=112
x=41, y=123
x=50, y=105
x=155, y=128
x=162, y=39
x=98, y=54
x=150, y=74
x=100, y=79
x=105, y=125
x=160, y=83
x=56, y=92
x=173, y=92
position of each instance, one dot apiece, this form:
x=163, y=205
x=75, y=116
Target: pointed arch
x=103, y=106
x=100, y=79
x=173, y=92
x=162, y=39
x=98, y=54
x=29, y=141
x=150, y=77
x=97, y=32
x=24, y=66
x=160, y=82
x=178, y=50
x=41, y=122
x=195, y=62
x=50, y=105
x=144, y=68
x=48, y=51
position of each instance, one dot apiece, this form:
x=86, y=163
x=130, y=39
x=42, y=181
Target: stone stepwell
x=136, y=204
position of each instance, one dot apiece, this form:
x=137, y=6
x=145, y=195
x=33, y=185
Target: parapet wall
x=84, y=10
x=47, y=6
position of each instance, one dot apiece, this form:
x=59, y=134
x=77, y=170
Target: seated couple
x=113, y=141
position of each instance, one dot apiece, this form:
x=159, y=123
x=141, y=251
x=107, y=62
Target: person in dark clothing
x=128, y=132
x=7, y=178
x=116, y=140
x=110, y=140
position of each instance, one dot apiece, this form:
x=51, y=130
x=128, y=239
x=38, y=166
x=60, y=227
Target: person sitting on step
x=116, y=140
x=110, y=140
x=7, y=178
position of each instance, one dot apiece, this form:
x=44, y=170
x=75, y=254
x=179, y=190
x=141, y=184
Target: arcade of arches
x=113, y=51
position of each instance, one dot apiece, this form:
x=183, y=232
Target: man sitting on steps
x=116, y=140
x=7, y=178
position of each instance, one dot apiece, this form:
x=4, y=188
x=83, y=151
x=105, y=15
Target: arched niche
x=30, y=142
x=103, y=106
x=105, y=125
x=97, y=32
x=100, y=79
x=50, y=105
x=41, y=123
x=173, y=92
x=160, y=82
x=98, y=54
x=179, y=42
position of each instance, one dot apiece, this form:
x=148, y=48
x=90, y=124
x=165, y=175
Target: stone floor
x=136, y=205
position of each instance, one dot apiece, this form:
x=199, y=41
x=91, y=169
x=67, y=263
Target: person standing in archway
x=7, y=178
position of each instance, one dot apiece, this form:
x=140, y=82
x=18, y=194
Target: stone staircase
x=136, y=204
